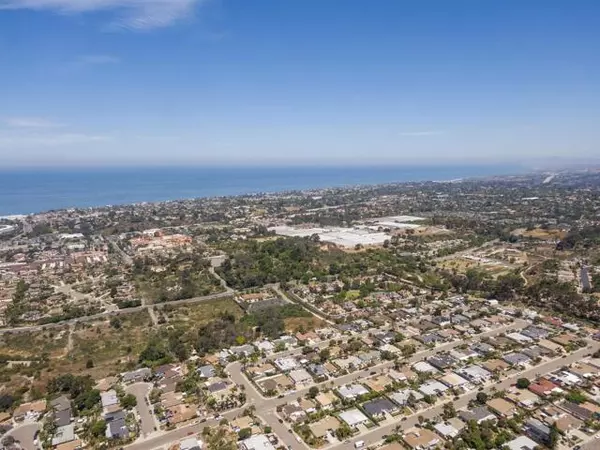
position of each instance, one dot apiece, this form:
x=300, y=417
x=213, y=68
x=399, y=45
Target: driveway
x=25, y=434
x=148, y=421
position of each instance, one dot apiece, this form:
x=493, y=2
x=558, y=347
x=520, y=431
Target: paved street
x=141, y=390
x=265, y=407
x=377, y=434
x=25, y=434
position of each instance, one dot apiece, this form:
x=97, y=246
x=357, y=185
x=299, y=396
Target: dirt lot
x=295, y=324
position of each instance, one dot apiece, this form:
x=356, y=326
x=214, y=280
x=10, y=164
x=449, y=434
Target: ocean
x=31, y=191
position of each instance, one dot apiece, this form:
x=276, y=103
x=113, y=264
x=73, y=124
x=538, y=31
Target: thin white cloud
x=93, y=60
x=30, y=122
x=421, y=133
x=129, y=14
x=25, y=141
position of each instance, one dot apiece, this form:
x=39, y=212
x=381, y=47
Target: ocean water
x=32, y=191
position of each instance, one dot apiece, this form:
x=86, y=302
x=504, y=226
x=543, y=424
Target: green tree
x=128, y=401
x=482, y=397
x=244, y=433
x=313, y=392
x=523, y=383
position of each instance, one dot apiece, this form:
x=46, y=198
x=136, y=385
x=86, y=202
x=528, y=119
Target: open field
x=198, y=313
x=539, y=233
x=461, y=265
x=110, y=345
x=52, y=342
x=295, y=324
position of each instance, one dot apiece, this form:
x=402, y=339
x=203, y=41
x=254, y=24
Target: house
x=478, y=414
x=584, y=411
x=63, y=435
x=261, y=370
x=566, y=378
x=217, y=386
x=308, y=338
x=62, y=417
x=301, y=377
x=379, y=407
x=538, y=431
x=378, y=383
x=191, y=443
x=502, y=408
x=265, y=346
x=424, y=367
x=207, y=371
x=519, y=338
x=286, y=364
x=523, y=398
x=522, y=443
x=293, y=412
x=474, y=373
x=326, y=425
x=286, y=341
x=433, y=387
x=137, y=375
x=544, y=387
x=370, y=357
x=317, y=370
x=535, y=351
x=442, y=361
x=181, y=413
x=551, y=346
x=243, y=350
x=29, y=411
x=353, y=417
x=429, y=339
x=482, y=348
x=454, y=380
x=565, y=339
x=516, y=359
x=463, y=355
x=535, y=333
x=326, y=400
x=446, y=430
x=352, y=391
x=348, y=363
x=109, y=398
x=421, y=439
x=258, y=442
x=405, y=396
x=116, y=428
x=61, y=403
x=495, y=365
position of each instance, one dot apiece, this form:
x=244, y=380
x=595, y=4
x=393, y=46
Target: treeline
x=545, y=292
x=254, y=263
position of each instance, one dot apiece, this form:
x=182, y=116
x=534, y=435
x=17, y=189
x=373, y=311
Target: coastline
x=25, y=192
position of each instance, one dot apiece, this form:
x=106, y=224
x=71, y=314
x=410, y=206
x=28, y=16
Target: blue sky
x=298, y=81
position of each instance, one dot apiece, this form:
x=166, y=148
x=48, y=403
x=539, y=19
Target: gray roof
x=62, y=417
x=207, y=371
x=441, y=361
x=117, y=429
x=535, y=332
x=516, y=358
x=61, y=403
x=139, y=374
x=218, y=386
x=477, y=414
x=379, y=406
x=482, y=348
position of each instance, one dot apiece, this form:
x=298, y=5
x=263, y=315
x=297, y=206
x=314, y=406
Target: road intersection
x=266, y=406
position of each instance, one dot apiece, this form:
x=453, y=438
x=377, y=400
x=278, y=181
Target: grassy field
x=461, y=265
x=197, y=314
x=109, y=345
x=34, y=344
